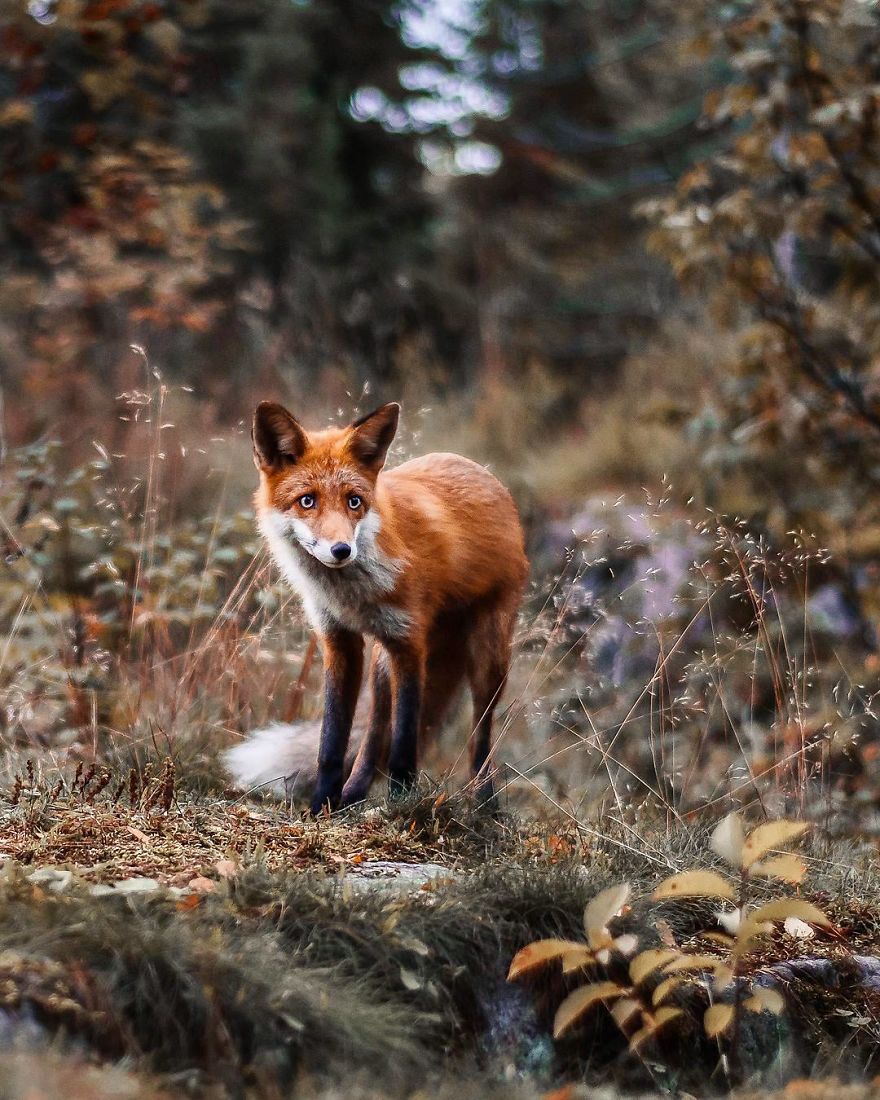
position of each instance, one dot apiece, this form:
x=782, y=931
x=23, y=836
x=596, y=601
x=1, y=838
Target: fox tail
x=283, y=757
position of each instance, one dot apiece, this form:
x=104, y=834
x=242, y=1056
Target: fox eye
x=354, y=501
x=306, y=501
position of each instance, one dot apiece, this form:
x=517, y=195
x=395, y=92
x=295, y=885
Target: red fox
x=426, y=559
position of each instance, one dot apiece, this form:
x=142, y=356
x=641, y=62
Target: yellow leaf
x=604, y=906
x=576, y=959
x=772, y=835
x=786, y=867
x=748, y=933
x=695, y=884
x=663, y=1015
x=577, y=1003
x=624, y=1010
x=660, y=1019
x=718, y=937
x=692, y=962
x=728, y=839
x=783, y=908
x=664, y=989
x=717, y=1020
x=538, y=953
x=760, y=922
x=646, y=962
x=765, y=1000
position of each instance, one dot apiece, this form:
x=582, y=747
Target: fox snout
x=333, y=552
x=334, y=555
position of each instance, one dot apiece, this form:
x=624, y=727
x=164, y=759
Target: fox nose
x=340, y=550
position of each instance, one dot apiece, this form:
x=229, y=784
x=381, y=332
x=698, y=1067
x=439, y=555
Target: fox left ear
x=372, y=435
x=278, y=438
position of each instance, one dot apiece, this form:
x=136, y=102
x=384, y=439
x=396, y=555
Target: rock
x=55, y=879
x=101, y=890
x=386, y=874
x=126, y=886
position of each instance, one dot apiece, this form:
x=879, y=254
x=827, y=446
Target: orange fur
x=434, y=571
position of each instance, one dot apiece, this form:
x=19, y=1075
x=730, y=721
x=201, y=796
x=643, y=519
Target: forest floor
x=156, y=944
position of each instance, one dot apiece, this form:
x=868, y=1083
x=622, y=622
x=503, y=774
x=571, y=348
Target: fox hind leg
x=407, y=683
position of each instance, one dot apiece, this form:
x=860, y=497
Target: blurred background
x=625, y=252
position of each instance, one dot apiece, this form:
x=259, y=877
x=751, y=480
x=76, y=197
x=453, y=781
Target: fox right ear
x=277, y=437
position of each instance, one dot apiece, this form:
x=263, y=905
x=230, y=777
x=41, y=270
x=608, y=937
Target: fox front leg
x=343, y=668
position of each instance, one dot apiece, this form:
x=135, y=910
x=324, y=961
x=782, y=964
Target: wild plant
x=132, y=629
x=645, y=989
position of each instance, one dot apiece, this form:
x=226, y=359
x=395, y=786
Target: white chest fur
x=354, y=597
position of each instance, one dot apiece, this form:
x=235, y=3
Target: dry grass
x=105, y=840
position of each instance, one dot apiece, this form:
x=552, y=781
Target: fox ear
x=277, y=437
x=372, y=435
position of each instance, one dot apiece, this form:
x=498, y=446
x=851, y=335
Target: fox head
x=317, y=488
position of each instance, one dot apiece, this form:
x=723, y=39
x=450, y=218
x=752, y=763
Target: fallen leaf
x=410, y=980
x=797, y=928
x=189, y=901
